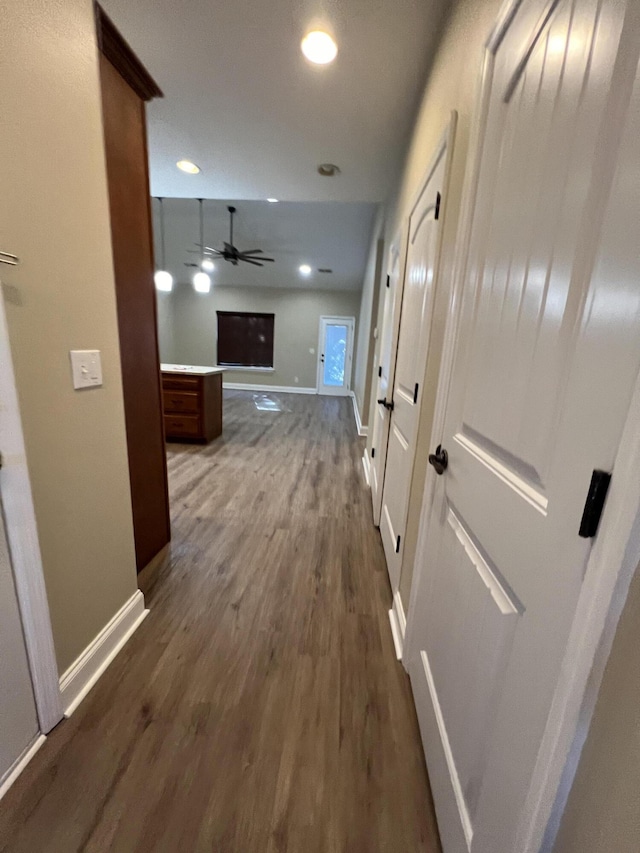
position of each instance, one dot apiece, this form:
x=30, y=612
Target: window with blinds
x=245, y=339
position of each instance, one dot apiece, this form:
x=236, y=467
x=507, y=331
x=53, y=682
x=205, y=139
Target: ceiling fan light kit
x=234, y=255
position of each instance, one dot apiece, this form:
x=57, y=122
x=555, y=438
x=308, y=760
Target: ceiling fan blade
x=252, y=258
x=252, y=251
x=210, y=249
x=249, y=261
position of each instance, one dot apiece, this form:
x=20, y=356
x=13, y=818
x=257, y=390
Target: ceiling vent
x=325, y=270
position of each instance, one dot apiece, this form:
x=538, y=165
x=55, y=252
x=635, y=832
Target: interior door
x=335, y=355
x=18, y=719
x=386, y=371
x=403, y=405
x=546, y=356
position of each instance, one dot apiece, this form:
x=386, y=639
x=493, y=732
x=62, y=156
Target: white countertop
x=190, y=369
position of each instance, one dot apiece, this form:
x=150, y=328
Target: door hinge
x=388, y=280
x=438, y=200
x=373, y=452
x=380, y=370
x=398, y=545
x=415, y=393
x=594, y=504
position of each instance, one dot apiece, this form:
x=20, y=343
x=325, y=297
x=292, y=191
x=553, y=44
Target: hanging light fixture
x=163, y=279
x=201, y=280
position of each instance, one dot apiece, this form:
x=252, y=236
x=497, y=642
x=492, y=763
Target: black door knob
x=439, y=459
x=390, y=405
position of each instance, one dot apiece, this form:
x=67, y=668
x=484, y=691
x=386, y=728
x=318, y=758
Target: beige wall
x=166, y=338
x=54, y=215
x=297, y=320
x=603, y=810
x=365, y=350
x=452, y=85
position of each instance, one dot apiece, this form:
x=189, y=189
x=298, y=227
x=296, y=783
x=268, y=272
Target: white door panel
x=413, y=343
x=386, y=372
x=18, y=720
x=547, y=353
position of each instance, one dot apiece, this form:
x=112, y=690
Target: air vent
x=325, y=270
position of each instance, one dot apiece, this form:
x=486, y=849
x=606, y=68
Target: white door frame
x=443, y=148
x=24, y=548
x=612, y=563
x=398, y=249
x=345, y=390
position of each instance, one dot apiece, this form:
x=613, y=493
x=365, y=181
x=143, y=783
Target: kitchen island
x=192, y=401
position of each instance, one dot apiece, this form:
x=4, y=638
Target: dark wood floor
x=260, y=707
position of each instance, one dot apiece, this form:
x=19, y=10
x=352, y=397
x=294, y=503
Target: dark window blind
x=245, y=339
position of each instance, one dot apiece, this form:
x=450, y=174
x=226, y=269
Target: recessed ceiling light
x=328, y=170
x=305, y=269
x=208, y=265
x=272, y=200
x=319, y=47
x=188, y=166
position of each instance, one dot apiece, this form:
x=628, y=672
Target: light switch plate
x=86, y=368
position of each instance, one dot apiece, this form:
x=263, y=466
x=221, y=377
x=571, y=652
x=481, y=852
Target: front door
x=335, y=355
x=403, y=403
x=547, y=351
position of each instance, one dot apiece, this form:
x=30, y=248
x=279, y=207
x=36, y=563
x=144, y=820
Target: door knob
x=439, y=459
x=390, y=405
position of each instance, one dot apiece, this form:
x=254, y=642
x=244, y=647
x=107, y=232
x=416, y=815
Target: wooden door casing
x=129, y=198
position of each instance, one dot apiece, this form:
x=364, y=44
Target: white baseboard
x=362, y=430
x=365, y=465
x=278, y=389
x=78, y=680
x=19, y=764
x=398, y=623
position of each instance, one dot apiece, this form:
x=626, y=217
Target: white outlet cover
x=86, y=368
x=312, y=351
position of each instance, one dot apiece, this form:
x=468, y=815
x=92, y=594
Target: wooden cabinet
x=192, y=406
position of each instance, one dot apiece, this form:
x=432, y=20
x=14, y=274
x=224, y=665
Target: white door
x=335, y=354
x=547, y=351
x=413, y=343
x=18, y=720
x=385, y=374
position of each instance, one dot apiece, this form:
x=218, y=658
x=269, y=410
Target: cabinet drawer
x=180, y=383
x=182, y=425
x=180, y=401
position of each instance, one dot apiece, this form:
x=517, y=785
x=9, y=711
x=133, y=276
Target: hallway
x=260, y=706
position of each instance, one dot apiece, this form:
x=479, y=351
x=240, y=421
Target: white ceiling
x=321, y=234
x=243, y=103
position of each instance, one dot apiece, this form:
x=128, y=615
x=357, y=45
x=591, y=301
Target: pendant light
x=201, y=281
x=163, y=279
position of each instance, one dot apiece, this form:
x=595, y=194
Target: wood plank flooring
x=259, y=708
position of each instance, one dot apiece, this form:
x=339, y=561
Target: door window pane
x=335, y=353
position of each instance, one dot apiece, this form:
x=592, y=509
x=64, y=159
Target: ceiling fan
x=232, y=254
